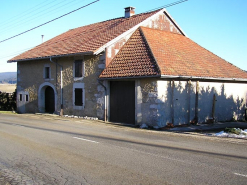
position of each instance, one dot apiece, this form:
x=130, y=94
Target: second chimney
x=129, y=11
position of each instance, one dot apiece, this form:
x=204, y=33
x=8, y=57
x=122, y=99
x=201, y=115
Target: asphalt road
x=37, y=149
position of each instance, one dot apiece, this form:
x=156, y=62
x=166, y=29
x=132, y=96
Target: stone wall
x=31, y=80
x=149, y=97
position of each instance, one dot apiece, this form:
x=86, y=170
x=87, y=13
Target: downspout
x=172, y=104
x=105, y=98
x=196, y=102
x=61, y=85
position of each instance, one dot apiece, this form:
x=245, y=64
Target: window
x=78, y=69
x=78, y=97
x=20, y=97
x=26, y=97
x=47, y=72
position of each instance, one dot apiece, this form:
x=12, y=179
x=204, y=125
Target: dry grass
x=8, y=88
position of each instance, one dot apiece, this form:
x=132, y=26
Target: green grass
x=7, y=112
x=233, y=130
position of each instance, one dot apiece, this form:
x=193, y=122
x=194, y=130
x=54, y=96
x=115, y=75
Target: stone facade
x=33, y=83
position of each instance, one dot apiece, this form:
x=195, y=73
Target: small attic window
x=78, y=68
x=47, y=71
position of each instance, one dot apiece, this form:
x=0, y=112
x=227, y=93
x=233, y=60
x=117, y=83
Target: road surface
x=38, y=149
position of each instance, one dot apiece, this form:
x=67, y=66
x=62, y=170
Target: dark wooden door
x=49, y=100
x=122, y=101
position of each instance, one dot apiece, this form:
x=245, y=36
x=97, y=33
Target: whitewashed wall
x=179, y=102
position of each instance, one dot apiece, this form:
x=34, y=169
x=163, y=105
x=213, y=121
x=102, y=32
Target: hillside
x=8, y=78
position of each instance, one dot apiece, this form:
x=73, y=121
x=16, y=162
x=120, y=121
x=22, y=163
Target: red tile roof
x=133, y=60
x=175, y=54
x=84, y=39
x=178, y=55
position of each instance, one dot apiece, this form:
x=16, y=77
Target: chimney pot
x=129, y=11
x=42, y=38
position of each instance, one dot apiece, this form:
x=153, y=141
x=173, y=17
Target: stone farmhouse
x=136, y=69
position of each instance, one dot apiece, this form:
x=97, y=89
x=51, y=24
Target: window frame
x=26, y=97
x=47, y=76
x=78, y=77
x=78, y=86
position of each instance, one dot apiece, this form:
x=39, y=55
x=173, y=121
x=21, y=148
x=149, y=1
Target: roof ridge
x=143, y=35
x=117, y=18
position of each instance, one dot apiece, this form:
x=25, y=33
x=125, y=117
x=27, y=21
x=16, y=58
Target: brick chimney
x=129, y=11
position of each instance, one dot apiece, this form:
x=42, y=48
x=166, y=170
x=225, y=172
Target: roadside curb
x=183, y=131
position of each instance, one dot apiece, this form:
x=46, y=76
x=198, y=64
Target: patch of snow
x=243, y=134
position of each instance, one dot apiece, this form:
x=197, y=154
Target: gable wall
x=159, y=21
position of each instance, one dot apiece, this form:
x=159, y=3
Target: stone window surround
x=75, y=86
x=44, y=72
x=83, y=69
x=22, y=96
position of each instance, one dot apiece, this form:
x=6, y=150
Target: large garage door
x=122, y=101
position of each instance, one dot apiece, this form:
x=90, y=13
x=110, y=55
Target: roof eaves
x=195, y=78
x=129, y=77
x=52, y=56
x=130, y=31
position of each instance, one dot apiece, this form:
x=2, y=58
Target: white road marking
x=240, y=174
x=85, y=140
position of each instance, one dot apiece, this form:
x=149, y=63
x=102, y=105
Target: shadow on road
x=198, y=152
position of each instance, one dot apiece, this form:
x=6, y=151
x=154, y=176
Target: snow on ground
x=243, y=134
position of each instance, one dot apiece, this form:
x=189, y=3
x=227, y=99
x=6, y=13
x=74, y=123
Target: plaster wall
x=230, y=101
x=149, y=106
x=161, y=22
x=167, y=101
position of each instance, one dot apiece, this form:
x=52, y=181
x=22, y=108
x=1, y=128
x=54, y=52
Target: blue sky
x=217, y=25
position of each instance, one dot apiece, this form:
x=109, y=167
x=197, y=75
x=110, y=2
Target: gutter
x=192, y=78
x=132, y=77
x=61, y=84
x=53, y=56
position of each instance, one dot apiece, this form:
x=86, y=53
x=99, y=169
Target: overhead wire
x=168, y=5
x=78, y=34
x=21, y=15
x=37, y=15
x=49, y=21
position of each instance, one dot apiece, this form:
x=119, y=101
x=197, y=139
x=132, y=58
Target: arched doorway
x=47, y=91
x=49, y=100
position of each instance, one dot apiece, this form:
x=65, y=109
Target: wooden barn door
x=122, y=101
